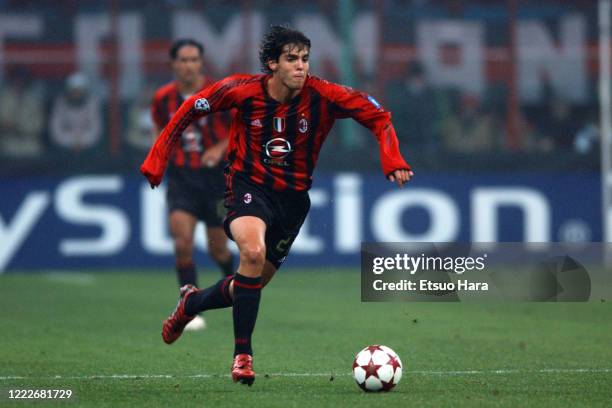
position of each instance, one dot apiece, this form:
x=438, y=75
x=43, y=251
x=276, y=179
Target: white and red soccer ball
x=377, y=368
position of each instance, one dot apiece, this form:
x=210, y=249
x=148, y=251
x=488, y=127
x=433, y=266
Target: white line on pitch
x=330, y=374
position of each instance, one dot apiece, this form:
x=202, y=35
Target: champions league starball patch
x=202, y=105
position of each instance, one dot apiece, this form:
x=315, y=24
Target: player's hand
x=400, y=176
x=213, y=155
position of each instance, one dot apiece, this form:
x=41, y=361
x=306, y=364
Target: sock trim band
x=246, y=286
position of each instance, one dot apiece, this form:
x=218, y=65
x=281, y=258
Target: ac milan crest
x=303, y=125
x=247, y=198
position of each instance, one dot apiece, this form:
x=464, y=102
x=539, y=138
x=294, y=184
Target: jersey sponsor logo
x=374, y=101
x=276, y=150
x=247, y=198
x=256, y=123
x=279, y=124
x=303, y=125
x=202, y=105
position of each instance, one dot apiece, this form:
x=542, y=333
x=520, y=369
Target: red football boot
x=242, y=370
x=174, y=325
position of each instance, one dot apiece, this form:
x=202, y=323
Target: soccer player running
x=195, y=173
x=283, y=119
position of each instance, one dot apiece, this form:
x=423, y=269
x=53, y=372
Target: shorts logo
x=303, y=125
x=284, y=244
x=202, y=104
x=279, y=124
x=277, y=148
x=247, y=198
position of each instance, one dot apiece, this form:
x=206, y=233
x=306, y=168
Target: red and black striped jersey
x=198, y=136
x=277, y=144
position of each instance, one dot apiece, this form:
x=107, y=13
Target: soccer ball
x=377, y=368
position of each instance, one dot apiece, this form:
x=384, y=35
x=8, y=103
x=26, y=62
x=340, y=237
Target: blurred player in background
x=195, y=172
x=283, y=119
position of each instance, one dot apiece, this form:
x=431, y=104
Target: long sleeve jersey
x=277, y=144
x=200, y=135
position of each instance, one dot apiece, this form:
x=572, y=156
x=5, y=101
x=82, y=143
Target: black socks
x=216, y=296
x=247, y=292
x=186, y=274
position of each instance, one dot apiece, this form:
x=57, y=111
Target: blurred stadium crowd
x=57, y=116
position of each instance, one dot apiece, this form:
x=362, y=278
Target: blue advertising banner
x=117, y=221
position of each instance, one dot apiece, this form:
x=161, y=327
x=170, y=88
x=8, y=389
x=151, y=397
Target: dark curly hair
x=275, y=40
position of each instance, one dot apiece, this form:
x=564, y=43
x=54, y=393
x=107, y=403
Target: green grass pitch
x=98, y=334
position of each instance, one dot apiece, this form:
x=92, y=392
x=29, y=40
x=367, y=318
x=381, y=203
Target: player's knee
x=253, y=254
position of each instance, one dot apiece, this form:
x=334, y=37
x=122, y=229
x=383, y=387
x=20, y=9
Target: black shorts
x=198, y=192
x=283, y=212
